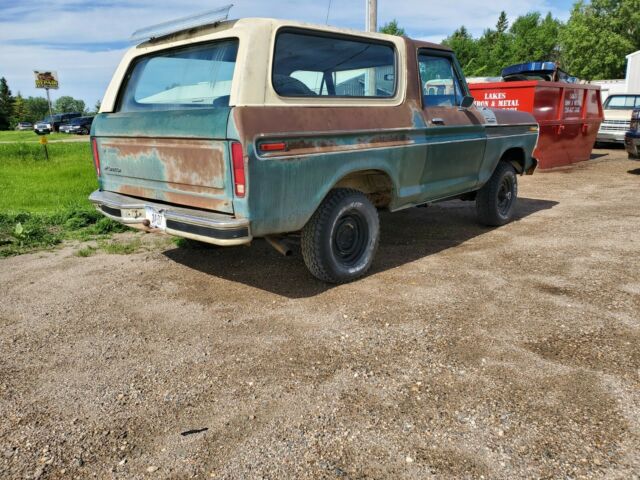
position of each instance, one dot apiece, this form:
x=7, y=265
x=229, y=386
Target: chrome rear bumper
x=209, y=227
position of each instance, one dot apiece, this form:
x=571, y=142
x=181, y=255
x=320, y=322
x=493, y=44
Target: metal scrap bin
x=569, y=115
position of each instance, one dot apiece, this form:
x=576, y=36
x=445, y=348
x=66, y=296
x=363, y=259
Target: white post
x=371, y=26
x=372, y=15
x=49, y=102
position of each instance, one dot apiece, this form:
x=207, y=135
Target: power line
x=328, y=10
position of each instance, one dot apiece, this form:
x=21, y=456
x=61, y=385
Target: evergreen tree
x=6, y=105
x=465, y=47
x=503, y=23
x=19, y=113
x=392, y=28
x=529, y=38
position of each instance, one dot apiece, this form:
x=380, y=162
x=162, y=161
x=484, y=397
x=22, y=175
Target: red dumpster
x=569, y=115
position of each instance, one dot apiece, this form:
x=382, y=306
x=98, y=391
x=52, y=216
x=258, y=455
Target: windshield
x=622, y=102
x=198, y=76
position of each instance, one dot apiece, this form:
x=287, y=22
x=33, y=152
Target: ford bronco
x=261, y=128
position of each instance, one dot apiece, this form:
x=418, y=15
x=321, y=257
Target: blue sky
x=84, y=40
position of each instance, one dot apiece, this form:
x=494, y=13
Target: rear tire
x=496, y=200
x=340, y=240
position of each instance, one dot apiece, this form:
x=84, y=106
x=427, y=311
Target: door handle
x=437, y=121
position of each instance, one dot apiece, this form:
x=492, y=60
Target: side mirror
x=467, y=101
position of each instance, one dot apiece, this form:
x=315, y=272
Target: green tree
x=530, y=37
x=66, y=104
x=535, y=38
x=19, y=113
x=37, y=108
x=466, y=48
x=6, y=105
x=503, y=22
x=392, y=28
x=598, y=36
x=96, y=107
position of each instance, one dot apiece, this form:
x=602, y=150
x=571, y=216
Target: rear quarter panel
x=285, y=188
x=513, y=130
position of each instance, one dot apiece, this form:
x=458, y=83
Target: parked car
x=80, y=125
x=302, y=128
x=617, y=117
x=64, y=128
x=632, y=137
x=52, y=123
x=24, y=126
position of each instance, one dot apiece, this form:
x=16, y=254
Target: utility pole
x=49, y=102
x=371, y=26
x=372, y=16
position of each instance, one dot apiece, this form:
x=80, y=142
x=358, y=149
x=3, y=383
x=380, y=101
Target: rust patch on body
x=253, y=121
x=205, y=203
x=179, y=161
x=310, y=147
x=134, y=191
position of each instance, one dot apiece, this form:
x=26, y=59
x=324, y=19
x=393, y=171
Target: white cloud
x=82, y=74
x=31, y=36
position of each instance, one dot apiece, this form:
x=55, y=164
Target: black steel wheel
x=506, y=194
x=340, y=240
x=496, y=200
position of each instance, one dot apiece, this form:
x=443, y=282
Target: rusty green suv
x=261, y=128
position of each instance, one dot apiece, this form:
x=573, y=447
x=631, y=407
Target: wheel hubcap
x=505, y=195
x=350, y=238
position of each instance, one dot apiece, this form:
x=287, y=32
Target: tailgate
x=177, y=157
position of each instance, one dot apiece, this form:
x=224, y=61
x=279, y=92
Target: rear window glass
x=622, y=102
x=309, y=65
x=198, y=76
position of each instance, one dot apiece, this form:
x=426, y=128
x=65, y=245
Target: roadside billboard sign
x=46, y=79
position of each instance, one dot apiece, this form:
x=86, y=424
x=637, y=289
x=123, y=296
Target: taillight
x=96, y=156
x=239, y=180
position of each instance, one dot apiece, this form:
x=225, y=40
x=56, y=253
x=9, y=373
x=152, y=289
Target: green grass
x=86, y=251
x=121, y=248
x=43, y=202
x=29, y=183
x=30, y=136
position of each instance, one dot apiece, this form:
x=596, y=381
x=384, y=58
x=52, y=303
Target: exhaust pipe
x=279, y=245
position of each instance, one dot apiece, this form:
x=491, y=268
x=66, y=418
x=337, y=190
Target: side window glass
x=307, y=64
x=440, y=84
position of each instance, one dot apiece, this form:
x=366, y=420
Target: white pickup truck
x=617, y=117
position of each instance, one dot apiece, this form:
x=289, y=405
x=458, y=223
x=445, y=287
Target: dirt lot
x=467, y=353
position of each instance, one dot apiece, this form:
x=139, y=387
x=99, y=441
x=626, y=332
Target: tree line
x=14, y=109
x=591, y=45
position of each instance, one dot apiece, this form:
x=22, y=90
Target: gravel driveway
x=468, y=352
